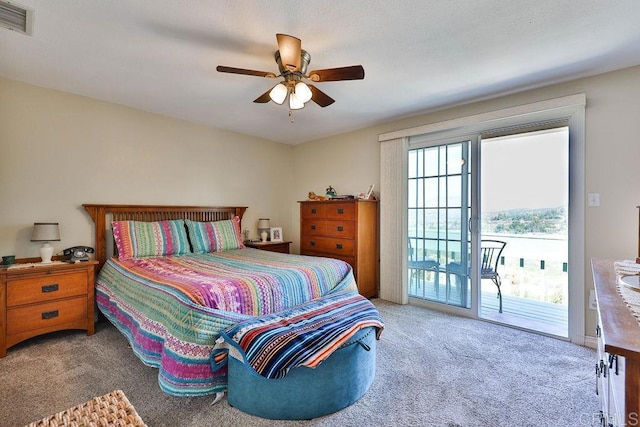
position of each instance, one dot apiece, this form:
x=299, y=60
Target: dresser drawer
x=313, y=227
x=327, y=245
x=343, y=229
x=313, y=210
x=341, y=211
x=46, y=288
x=39, y=316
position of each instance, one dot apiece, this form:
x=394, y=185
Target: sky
x=525, y=171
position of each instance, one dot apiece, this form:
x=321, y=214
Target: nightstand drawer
x=39, y=316
x=46, y=288
x=331, y=246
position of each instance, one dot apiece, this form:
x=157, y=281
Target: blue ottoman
x=304, y=393
x=304, y=362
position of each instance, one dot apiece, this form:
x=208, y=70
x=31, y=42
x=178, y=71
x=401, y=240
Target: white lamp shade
x=45, y=232
x=263, y=223
x=279, y=93
x=303, y=93
x=294, y=102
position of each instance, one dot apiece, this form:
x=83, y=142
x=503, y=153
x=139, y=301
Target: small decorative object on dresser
x=36, y=299
x=276, y=234
x=347, y=230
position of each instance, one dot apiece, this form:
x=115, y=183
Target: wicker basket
x=112, y=409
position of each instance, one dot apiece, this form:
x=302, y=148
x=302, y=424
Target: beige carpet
x=433, y=369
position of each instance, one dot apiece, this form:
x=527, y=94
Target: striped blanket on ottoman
x=268, y=358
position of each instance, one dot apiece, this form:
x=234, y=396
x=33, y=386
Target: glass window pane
x=431, y=193
x=442, y=195
x=412, y=166
x=454, y=159
x=431, y=162
x=442, y=160
x=454, y=190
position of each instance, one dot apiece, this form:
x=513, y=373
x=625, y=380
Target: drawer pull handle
x=314, y=211
x=340, y=228
x=313, y=243
x=49, y=314
x=338, y=245
x=340, y=211
x=50, y=288
x=313, y=227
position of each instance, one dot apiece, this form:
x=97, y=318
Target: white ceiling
x=418, y=55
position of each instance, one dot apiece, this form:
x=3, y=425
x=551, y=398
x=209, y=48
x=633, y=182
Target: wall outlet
x=592, y=300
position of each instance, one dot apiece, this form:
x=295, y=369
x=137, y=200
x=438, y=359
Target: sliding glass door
x=511, y=267
x=439, y=212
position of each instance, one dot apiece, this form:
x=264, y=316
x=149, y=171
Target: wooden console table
x=618, y=365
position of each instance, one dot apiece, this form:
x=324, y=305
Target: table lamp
x=45, y=232
x=263, y=228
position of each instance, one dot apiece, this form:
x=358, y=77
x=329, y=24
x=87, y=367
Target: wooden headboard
x=102, y=216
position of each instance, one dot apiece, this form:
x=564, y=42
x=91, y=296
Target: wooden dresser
x=347, y=230
x=45, y=298
x=618, y=365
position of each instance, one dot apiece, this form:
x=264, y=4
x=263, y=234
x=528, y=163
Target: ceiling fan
x=293, y=62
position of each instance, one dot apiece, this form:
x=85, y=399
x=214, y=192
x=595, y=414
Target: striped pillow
x=215, y=236
x=135, y=239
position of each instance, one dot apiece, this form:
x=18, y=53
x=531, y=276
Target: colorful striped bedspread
x=172, y=309
x=305, y=335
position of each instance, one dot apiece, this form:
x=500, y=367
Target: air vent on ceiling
x=16, y=18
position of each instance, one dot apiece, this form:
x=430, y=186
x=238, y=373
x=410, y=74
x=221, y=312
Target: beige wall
x=351, y=161
x=58, y=151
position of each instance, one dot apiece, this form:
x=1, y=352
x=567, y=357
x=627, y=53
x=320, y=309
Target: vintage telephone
x=78, y=253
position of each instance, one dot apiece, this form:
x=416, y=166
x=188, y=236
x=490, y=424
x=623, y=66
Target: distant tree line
x=526, y=221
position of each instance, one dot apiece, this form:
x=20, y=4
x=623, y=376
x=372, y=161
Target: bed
x=172, y=278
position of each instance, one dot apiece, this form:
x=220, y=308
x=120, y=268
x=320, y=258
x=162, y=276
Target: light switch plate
x=594, y=199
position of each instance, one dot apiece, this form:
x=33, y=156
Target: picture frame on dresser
x=276, y=234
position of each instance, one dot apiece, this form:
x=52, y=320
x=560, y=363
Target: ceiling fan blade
x=264, y=98
x=319, y=97
x=233, y=70
x=290, y=49
x=354, y=72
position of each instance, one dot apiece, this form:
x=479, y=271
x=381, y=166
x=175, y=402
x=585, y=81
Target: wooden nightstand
x=282, y=247
x=45, y=298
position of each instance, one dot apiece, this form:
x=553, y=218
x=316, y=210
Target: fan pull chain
x=291, y=119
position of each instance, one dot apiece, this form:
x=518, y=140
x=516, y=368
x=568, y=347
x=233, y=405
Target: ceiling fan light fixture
x=279, y=93
x=302, y=91
x=294, y=102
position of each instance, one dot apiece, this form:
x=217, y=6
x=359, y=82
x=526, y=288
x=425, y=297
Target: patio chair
x=491, y=251
x=490, y=257
x=421, y=266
